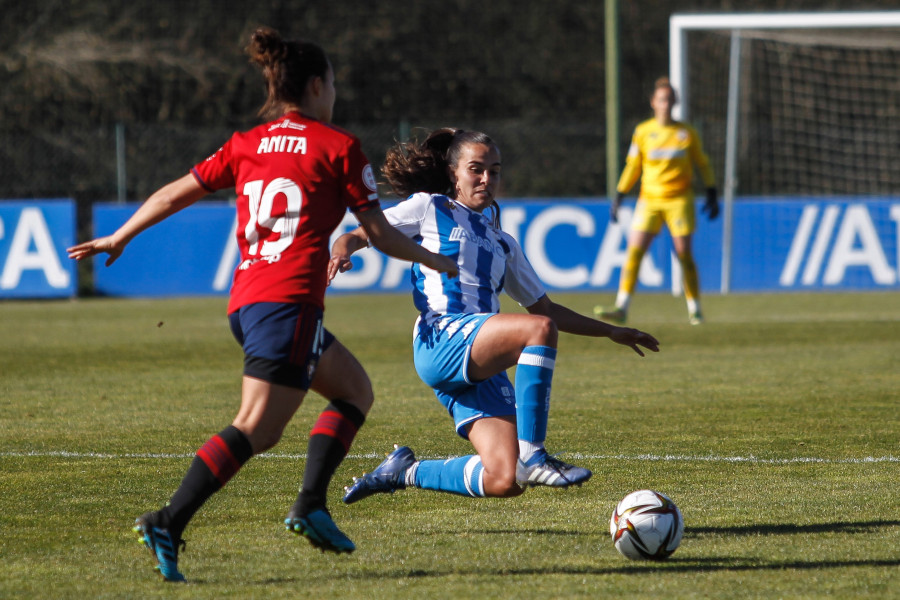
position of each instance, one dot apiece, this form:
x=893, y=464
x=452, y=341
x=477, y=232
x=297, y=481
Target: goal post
x=793, y=103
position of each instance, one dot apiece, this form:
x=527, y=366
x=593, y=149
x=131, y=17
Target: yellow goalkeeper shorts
x=677, y=213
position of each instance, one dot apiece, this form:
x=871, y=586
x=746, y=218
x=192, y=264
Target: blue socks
x=534, y=374
x=463, y=475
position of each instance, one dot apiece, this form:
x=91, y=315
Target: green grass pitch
x=774, y=427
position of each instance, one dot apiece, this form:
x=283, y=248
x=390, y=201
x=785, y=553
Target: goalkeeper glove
x=614, y=207
x=711, y=207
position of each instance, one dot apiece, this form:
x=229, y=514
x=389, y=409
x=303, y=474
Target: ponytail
x=287, y=67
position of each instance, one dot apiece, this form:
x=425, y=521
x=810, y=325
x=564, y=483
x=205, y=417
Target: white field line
x=870, y=317
x=750, y=459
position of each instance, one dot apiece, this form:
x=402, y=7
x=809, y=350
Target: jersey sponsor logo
x=368, y=178
x=459, y=234
x=666, y=153
x=287, y=124
x=290, y=144
x=252, y=261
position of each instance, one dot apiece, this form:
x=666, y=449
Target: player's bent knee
x=342, y=377
x=501, y=485
x=359, y=392
x=264, y=442
x=544, y=331
x=261, y=439
x=505, y=491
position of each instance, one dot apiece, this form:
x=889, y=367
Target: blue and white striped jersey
x=489, y=259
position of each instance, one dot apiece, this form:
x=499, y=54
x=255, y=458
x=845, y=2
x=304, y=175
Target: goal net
x=815, y=99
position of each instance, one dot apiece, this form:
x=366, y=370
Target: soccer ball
x=646, y=525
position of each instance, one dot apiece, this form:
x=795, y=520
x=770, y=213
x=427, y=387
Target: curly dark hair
x=411, y=166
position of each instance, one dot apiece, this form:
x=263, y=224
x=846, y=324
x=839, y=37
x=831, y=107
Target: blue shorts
x=494, y=397
x=441, y=349
x=441, y=353
x=282, y=342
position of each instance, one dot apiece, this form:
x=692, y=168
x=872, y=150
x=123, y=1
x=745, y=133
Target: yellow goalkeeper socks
x=630, y=270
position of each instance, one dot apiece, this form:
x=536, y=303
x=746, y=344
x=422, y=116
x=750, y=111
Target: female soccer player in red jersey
x=295, y=176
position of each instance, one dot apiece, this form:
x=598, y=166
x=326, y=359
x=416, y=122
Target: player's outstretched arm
x=343, y=248
x=164, y=202
x=570, y=321
x=375, y=228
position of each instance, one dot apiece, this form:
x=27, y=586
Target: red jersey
x=295, y=177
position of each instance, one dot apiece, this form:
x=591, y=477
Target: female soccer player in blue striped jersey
x=462, y=344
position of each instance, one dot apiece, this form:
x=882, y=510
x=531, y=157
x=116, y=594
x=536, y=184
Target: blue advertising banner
x=812, y=244
x=779, y=244
x=34, y=235
x=192, y=253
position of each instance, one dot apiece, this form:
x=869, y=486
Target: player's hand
x=634, y=338
x=711, y=206
x=614, y=208
x=444, y=264
x=338, y=264
x=105, y=244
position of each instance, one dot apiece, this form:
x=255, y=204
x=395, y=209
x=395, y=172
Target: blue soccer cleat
x=387, y=477
x=163, y=546
x=319, y=528
x=544, y=469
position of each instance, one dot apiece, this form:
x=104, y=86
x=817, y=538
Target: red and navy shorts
x=282, y=342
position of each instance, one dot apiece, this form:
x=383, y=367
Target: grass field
x=774, y=427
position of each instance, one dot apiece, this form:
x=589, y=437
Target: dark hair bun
x=266, y=47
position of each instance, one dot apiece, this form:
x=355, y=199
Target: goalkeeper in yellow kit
x=663, y=155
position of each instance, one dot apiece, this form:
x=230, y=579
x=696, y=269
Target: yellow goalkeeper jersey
x=663, y=157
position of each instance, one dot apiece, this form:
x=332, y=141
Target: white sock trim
x=409, y=478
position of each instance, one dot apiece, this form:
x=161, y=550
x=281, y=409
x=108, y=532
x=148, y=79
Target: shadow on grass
x=790, y=528
x=672, y=565
x=760, y=529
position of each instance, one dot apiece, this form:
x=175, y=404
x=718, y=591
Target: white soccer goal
x=795, y=104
